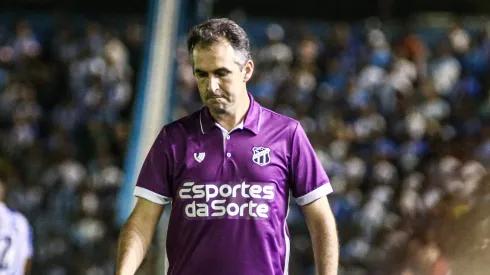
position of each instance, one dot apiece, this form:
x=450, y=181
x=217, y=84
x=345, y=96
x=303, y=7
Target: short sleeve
x=29, y=243
x=27, y=237
x=309, y=181
x=155, y=178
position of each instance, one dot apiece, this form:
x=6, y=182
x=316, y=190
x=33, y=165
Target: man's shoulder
x=18, y=220
x=22, y=221
x=184, y=125
x=275, y=119
x=23, y=228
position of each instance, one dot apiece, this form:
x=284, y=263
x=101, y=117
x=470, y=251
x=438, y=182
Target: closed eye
x=201, y=74
x=222, y=73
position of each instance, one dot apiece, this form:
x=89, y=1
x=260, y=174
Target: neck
x=232, y=119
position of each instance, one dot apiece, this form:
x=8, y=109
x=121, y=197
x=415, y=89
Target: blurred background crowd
x=66, y=89
x=398, y=113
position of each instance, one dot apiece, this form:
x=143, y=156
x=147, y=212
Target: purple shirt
x=230, y=191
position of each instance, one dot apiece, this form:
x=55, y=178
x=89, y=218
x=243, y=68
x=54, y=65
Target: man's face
x=221, y=74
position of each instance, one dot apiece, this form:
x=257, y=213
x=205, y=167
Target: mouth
x=214, y=98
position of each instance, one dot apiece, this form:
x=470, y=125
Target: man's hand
x=324, y=239
x=136, y=236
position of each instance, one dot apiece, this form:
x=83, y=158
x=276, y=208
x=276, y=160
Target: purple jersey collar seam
x=252, y=121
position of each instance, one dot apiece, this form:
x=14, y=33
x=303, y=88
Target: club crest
x=261, y=156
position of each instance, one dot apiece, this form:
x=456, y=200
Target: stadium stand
x=398, y=116
x=65, y=101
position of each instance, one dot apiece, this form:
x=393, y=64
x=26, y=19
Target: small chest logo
x=199, y=157
x=261, y=156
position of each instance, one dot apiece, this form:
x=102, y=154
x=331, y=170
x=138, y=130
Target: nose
x=213, y=84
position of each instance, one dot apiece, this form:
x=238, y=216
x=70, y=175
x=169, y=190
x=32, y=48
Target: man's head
x=219, y=50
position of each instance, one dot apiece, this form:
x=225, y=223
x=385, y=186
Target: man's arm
x=323, y=231
x=136, y=236
x=27, y=267
x=27, y=242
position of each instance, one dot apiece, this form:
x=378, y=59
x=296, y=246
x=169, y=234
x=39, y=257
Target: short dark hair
x=213, y=30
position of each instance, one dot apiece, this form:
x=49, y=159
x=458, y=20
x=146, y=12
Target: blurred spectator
x=65, y=103
x=399, y=123
x=459, y=37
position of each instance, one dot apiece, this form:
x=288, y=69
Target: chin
x=217, y=108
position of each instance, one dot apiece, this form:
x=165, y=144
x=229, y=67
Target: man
x=15, y=240
x=228, y=170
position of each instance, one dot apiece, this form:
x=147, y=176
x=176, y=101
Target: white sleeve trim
x=315, y=194
x=150, y=195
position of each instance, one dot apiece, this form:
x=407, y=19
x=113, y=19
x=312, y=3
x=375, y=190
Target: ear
x=249, y=69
